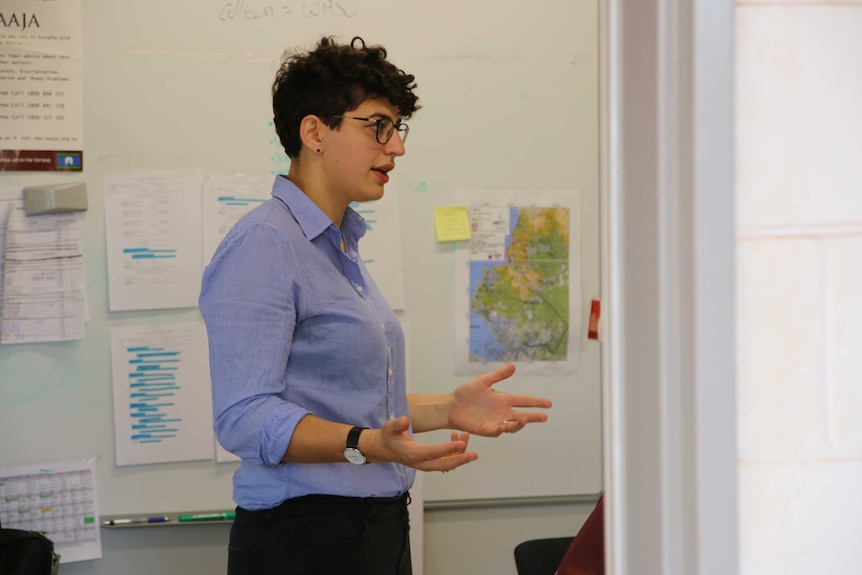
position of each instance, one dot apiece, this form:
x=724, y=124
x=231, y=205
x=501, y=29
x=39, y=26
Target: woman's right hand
x=392, y=442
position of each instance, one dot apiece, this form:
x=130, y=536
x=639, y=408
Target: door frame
x=669, y=381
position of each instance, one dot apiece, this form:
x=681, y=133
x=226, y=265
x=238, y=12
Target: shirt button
x=390, y=373
x=358, y=288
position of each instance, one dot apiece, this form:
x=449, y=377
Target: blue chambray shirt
x=297, y=327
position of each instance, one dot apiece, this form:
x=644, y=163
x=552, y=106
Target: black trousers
x=323, y=535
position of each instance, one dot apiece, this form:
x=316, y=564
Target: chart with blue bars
x=239, y=202
x=162, y=398
x=149, y=254
x=153, y=385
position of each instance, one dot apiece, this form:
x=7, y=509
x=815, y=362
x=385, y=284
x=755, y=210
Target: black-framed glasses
x=385, y=128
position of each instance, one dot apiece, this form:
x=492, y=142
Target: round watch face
x=354, y=456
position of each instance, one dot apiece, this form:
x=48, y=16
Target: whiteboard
x=510, y=100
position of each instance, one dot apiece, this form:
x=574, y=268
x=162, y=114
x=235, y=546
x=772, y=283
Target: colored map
x=519, y=284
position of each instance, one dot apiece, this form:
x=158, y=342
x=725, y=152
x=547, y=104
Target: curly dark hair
x=332, y=79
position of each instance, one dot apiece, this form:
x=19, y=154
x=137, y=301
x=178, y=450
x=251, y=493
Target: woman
x=307, y=359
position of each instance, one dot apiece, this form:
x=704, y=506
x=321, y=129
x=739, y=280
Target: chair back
x=541, y=556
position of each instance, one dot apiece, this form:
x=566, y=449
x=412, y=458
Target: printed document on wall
x=518, y=295
x=9, y=198
x=44, y=285
x=226, y=200
x=60, y=500
x=154, y=239
x=41, y=86
x=380, y=247
x=162, y=400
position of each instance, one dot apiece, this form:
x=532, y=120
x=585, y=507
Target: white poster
x=226, y=200
x=59, y=499
x=44, y=285
x=154, y=239
x=380, y=248
x=41, y=86
x=162, y=398
x=9, y=198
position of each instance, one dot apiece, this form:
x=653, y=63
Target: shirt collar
x=310, y=217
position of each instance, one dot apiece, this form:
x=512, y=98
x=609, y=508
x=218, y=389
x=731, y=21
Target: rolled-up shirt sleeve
x=249, y=304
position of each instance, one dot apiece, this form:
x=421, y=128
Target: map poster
x=518, y=283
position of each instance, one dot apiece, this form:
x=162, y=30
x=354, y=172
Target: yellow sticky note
x=452, y=223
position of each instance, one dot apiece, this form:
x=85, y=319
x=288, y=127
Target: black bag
x=25, y=552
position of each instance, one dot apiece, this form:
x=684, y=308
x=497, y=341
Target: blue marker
x=137, y=521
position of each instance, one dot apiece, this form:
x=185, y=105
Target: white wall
x=799, y=248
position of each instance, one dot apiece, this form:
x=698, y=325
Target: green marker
x=220, y=516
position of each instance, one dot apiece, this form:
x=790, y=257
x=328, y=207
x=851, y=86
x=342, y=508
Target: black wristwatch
x=351, y=449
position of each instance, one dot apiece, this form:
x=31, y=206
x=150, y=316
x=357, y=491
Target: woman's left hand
x=478, y=408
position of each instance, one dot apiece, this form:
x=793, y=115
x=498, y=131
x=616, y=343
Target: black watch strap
x=353, y=437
